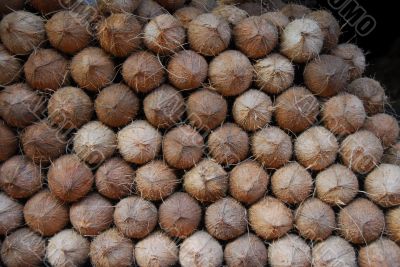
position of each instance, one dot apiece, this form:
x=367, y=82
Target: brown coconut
x=186, y=14
x=289, y=251
x=276, y=18
x=69, y=178
x=393, y=224
x=370, y=92
x=118, y=6
x=135, y=217
x=11, y=214
x=10, y=67
x=334, y=251
x=382, y=252
x=180, y=215
x=295, y=11
x=8, y=142
x=230, y=13
x=392, y=155
x=49, y=6
x=354, y=57
x=385, y=127
x=329, y=25
x=171, y=4
x=10, y=6
x=148, y=10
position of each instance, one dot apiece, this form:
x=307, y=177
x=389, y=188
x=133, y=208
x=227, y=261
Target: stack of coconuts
x=191, y=133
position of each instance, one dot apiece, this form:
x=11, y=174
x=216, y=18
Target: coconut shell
x=382, y=252
x=385, y=127
x=118, y=6
x=288, y=251
x=329, y=25
x=10, y=6
x=230, y=13
x=276, y=18
x=148, y=10
x=334, y=251
x=186, y=14
x=171, y=4
x=10, y=67
x=354, y=57
x=11, y=215
x=392, y=155
x=393, y=224
x=295, y=11
x=49, y=6
x=8, y=142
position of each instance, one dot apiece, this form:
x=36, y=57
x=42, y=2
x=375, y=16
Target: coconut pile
x=191, y=133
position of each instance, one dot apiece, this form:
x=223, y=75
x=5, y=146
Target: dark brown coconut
x=135, y=217
x=45, y=214
x=382, y=252
x=334, y=251
x=8, y=142
x=186, y=14
x=329, y=26
x=49, y=6
x=292, y=184
x=11, y=214
x=143, y=72
x=171, y=4
x=116, y=105
x=69, y=179
x=164, y=107
x=352, y=55
x=248, y=182
x=20, y=178
x=385, y=127
x=148, y=10
x=290, y=250
x=118, y=6
x=296, y=109
x=21, y=32
x=392, y=155
x=370, y=92
x=206, y=182
x=10, y=67
x=180, y=215
x=119, y=34
x=209, y=34
x=276, y=18
x=92, y=69
x=114, y=179
x=295, y=11
x=10, y=6
x=230, y=13
x=272, y=147
x=139, y=142
x=393, y=224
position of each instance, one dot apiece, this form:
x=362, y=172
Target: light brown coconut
x=393, y=224
x=120, y=34
x=230, y=13
x=252, y=110
x=143, y=72
x=171, y=4
x=270, y=218
x=183, y=147
x=49, y=6
x=296, y=109
x=20, y=105
x=276, y=18
x=272, y=147
x=206, y=109
x=354, y=56
x=228, y=144
x=10, y=67
x=343, y=114
x=326, y=75
x=329, y=25
x=385, y=127
x=361, y=151
x=164, y=107
x=209, y=34
x=23, y=248
x=295, y=11
x=186, y=14
x=139, y=142
x=114, y=179
x=45, y=214
x=302, y=40
x=155, y=181
x=289, y=251
x=11, y=214
x=187, y=70
x=21, y=32
x=274, y=74
x=248, y=249
x=69, y=108
x=392, y=155
x=207, y=181
x=20, y=177
x=180, y=215
x=156, y=250
x=334, y=251
x=118, y=6
x=201, y=249
x=92, y=69
x=67, y=248
x=230, y=73
x=361, y=222
x=111, y=248
x=337, y=185
x=8, y=142
x=370, y=92
x=135, y=217
x=148, y=10
x=10, y=6
x=382, y=252
x=69, y=178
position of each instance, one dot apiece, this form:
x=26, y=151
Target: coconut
x=295, y=11
x=164, y=107
x=385, y=127
x=45, y=214
x=361, y=221
x=354, y=57
x=248, y=182
x=92, y=69
x=252, y=8
x=334, y=251
x=382, y=252
x=155, y=181
x=276, y=18
x=343, y=114
x=171, y=4
x=118, y=6
x=329, y=25
x=206, y=109
x=148, y=10
x=272, y=147
x=139, y=142
x=230, y=73
x=11, y=215
x=292, y=184
x=288, y=251
x=69, y=179
x=49, y=6
x=135, y=217
x=8, y=142
x=186, y=14
x=10, y=67
x=67, y=248
x=10, y=6
x=230, y=13
x=361, y=151
x=69, y=108
x=180, y=215
x=156, y=250
x=23, y=248
x=206, y=182
x=393, y=224
x=112, y=249
x=337, y=185
x=209, y=34
x=201, y=249
x=20, y=106
x=274, y=74
x=114, y=179
x=143, y=72
x=116, y=105
x=119, y=34
x=21, y=32
x=270, y=218
x=20, y=178
x=392, y=155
